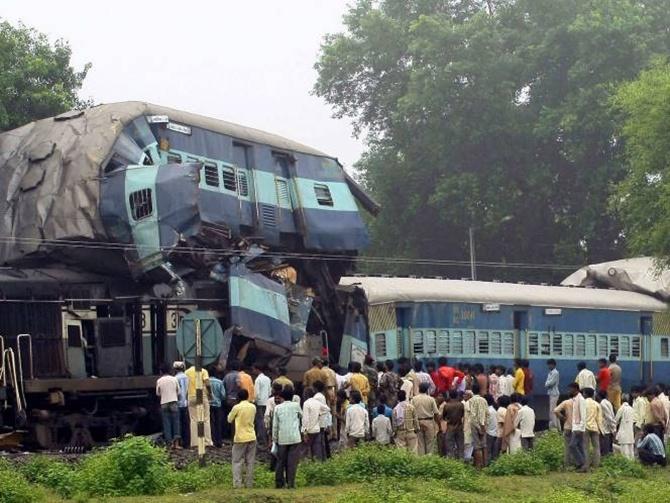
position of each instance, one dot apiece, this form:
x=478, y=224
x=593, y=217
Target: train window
x=283, y=196
x=533, y=344
x=495, y=344
x=557, y=344
x=580, y=345
x=443, y=342
x=380, y=345
x=568, y=345
x=635, y=347
x=469, y=342
x=665, y=347
x=211, y=174
x=591, y=345
x=545, y=344
x=229, y=182
x=399, y=341
x=243, y=182
x=112, y=332
x=624, y=346
x=141, y=204
x=323, y=195
x=483, y=343
x=74, y=336
x=508, y=343
x=430, y=342
x=173, y=158
x=614, y=345
x=602, y=345
x=417, y=342
x=457, y=342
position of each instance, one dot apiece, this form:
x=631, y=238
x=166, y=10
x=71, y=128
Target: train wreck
x=120, y=221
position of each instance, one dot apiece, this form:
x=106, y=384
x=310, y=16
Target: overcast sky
x=247, y=61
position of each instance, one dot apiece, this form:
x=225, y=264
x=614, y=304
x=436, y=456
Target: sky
x=249, y=61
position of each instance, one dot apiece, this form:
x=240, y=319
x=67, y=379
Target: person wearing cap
x=182, y=403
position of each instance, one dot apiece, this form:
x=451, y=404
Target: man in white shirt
x=167, y=388
x=525, y=422
x=585, y=378
x=357, y=424
x=577, y=440
x=609, y=423
x=491, y=429
x=625, y=436
x=325, y=418
x=312, y=410
x=551, y=386
x=381, y=427
x=507, y=383
x=262, y=388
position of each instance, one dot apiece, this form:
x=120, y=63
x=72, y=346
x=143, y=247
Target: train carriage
x=494, y=323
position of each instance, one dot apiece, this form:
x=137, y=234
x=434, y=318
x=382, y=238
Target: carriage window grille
x=602, y=345
x=211, y=174
x=443, y=342
x=665, y=347
x=614, y=345
x=399, y=340
x=624, y=346
x=173, y=158
x=141, y=205
x=229, y=181
x=533, y=344
x=483, y=343
x=243, y=182
x=323, y=196
x=269, y=215
x=283, y=196
x=495, y=347
x=580, y=345
x=545, y=344
x=635, y=347
x=457, y=342
x=469, y=342
x=568, y=345
x=380, y=345
x=508, y=343
x=417, y=342
x=591, y=345
x=557, y=344
x=430, y=342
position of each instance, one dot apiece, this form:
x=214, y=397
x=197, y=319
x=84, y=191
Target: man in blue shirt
x=184, y=420
x=231, y=383
x=216, y=406
x=286, y=436
x=650, y=449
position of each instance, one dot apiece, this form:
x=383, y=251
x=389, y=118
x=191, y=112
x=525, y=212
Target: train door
x=646, y=353
x=76, y=348
x=520, y=330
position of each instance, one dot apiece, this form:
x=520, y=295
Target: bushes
x=519, y=463
x=549, y=447
x=618, y=466
x=370, y=462
x=14, y=488
x=51, y=473
x=398, y=491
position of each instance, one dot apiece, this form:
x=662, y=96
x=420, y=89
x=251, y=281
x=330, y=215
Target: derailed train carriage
x=118, y=221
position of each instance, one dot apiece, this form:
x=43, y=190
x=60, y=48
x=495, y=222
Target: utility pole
x=199, y=393
x=473, y=267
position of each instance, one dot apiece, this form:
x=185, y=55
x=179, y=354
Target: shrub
x=519, y=463
x=549, y=447
x=617, y=465
x=196, y=478
x=51, y=473
x=130, y=467
x=398, y=491
x=566, y=495
x=14, y=488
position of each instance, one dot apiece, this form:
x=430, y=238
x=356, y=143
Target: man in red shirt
x=448, y=377
x=528, y=378
x=603, y=375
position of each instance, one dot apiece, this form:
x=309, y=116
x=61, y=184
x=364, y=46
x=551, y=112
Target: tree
x=642, y=198
x=36, y=78
x=494, y=115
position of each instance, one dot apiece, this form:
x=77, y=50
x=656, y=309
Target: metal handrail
x=30, y=354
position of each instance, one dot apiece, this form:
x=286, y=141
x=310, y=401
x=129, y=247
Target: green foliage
x=565, y=495
x=132, y=466
x=497, y=119
x=519, y=463
x=36, y=79
x=549, y=447
x=370, y=462
x=619, y=466
x=398, y=491
x=51, y=473
x=14, y=488
x=195, y=478
x=642, y=198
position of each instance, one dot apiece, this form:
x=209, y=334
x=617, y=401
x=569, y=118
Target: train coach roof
x=384, y=290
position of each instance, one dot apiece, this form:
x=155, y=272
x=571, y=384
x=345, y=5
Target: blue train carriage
x=493, y=323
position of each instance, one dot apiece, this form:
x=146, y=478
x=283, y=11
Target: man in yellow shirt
x=192, y=407
x=247, y=383
x=314, y=374
x=244, y=444
x=519, y=378
x=359, y=382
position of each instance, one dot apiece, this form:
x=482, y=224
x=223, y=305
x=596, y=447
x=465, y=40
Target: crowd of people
x=465, y=412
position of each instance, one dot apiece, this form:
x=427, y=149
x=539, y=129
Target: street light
x=471, y=234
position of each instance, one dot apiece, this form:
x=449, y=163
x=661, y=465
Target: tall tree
x=642, y=199
x=493, y=115
x=36, y=78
